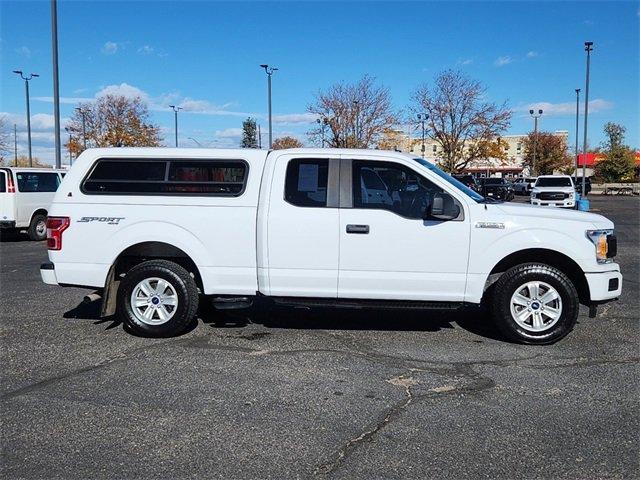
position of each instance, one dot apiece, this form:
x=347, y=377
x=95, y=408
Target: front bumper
x=48, y=273
x=604, y=286
x=568, y=203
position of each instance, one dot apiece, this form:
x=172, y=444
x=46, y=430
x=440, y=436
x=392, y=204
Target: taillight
x=55, y=227
x=11, y=187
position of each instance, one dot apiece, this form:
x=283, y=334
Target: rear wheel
x=38, y=227
x=534, y=303
x=157, y=298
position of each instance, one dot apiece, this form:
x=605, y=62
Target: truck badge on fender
x=107, y=220
x=489, y=225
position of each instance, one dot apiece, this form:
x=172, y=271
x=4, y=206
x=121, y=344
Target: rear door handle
x=362, y=229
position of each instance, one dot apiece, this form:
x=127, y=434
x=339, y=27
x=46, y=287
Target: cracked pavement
x=297, y=393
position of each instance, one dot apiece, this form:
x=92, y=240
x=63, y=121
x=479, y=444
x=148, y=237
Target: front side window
x=306, y=182
x=167, y=177
x=37, y=182
x=393, y=187
x=3, y=182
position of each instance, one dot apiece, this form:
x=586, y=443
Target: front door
x=387, y=250
x=303, y=227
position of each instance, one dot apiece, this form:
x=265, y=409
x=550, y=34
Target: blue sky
x=205, y=56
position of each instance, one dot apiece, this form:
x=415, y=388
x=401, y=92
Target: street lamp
x=323, y=123
x=26, y=89
x=175, y=120
x=535, y=137
x=588, y=47
x=84, y=128
x=422, y=118
x=269, y=71
x=577, y=135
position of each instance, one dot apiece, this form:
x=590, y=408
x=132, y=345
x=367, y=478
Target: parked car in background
x=554, y=191
x=496, y=187
x=25, y=196
x=587, y=185
x=523, y=185
x=468, y=180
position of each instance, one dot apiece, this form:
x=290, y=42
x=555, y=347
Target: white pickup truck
x=156, y=230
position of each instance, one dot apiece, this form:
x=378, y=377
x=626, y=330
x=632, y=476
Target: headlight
x=600, y=239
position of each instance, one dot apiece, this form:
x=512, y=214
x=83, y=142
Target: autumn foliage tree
x=286, y=142
x=460, y=120
x=113, y=121
x=551, y=153
x=357, y=114
x=618, y=160
x=4, y=137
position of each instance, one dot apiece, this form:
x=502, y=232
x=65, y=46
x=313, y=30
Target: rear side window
x=167, y=177
x=3, y=182
x=37, y=182
x=306, y=182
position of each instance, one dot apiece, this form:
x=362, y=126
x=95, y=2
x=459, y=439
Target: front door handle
x=362, y=229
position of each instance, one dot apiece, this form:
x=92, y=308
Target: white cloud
x=110, y=48
x=24, y=51
x=65, y=100
x=501, y=61
x=294, y=118
x=532, y=54
x=146, y=50
x=568, y=108
x=124, y=90
x=466, y=61
x=228, y=133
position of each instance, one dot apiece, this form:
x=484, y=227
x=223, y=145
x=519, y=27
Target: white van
x=158, y=230
x=25, y=196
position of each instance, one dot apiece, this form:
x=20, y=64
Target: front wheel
x=157, y=298
x=534, y=303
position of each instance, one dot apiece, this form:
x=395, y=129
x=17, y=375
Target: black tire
x=509, y=283
x=38, y=228
x=179, y=279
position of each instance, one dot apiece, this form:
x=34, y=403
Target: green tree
x=249, y=133
x=550, y=153
x=618, y=162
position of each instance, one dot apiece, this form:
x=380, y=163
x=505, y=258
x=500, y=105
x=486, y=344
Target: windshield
x=445, y=176
x=553, y=182
x=494, y=181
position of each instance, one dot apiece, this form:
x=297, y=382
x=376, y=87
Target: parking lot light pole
x=588, y=46
x=15, y=144
x=577, y=134
x=26, y=90
x=175, y=120
x=269, y=71
x=422, y=118
x=535, y=138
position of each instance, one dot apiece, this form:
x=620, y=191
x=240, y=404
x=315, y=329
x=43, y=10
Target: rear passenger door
x=302, y=227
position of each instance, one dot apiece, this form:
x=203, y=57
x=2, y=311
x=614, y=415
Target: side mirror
x=442, y=208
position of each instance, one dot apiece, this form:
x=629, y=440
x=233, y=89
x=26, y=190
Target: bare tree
x=464, y=125
x=357, y=114
x=113, y=121
x=5, y=137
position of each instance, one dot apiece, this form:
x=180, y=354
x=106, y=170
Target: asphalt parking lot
x=315, y=394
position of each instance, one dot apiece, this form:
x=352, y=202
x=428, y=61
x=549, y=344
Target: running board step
x=358, y=303
x=231, y=303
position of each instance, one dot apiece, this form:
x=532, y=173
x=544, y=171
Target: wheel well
x=550, y=257
x=38, y=211
x=144, y=251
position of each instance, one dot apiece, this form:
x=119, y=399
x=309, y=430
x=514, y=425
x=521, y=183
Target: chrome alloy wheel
x=536, y=306
x=154, y=301
x=41, y=228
